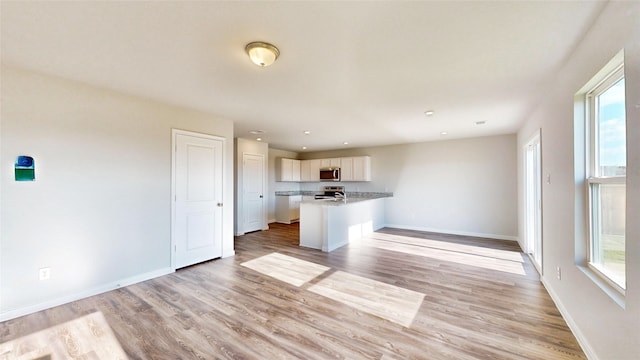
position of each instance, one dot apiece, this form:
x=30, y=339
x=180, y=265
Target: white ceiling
x=362, y=72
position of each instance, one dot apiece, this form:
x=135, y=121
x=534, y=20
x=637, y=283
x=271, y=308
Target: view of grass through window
x=608, y=197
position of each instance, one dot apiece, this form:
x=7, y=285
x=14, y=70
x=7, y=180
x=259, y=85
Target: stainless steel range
x=331, y=192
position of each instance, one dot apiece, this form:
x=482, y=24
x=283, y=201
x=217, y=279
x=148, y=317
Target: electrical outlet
x=559, y=273
x=44, y=273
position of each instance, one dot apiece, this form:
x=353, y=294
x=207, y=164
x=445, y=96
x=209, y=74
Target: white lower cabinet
x=288, y=208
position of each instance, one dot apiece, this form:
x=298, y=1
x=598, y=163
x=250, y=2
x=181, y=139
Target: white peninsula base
x=328, y=225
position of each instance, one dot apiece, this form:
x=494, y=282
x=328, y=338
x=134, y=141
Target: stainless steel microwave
x=330, y=174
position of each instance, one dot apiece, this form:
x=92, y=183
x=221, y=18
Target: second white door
x=253, y=192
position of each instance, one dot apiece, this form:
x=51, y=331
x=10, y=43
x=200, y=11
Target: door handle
x=260, y=196
x=219, y=204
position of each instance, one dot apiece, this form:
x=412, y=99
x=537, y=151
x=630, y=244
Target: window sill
x=604, y=285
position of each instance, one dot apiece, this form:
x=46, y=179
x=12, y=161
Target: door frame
x=174, y=150
x=536, y=138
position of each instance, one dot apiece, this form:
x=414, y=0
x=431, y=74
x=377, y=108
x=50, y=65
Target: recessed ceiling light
x=307, y=132
x=429, y=112
x=304, y=148
x=443, y=133
x=256, y=132
x=481, y=122
x=259, y=139
x=345, y=143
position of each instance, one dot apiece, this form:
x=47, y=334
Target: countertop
x=350, y=194
x=296, y=193
x=351, y=199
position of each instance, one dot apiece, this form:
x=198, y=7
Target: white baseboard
x=582, y=340
x=12, y=314
x=453, y=232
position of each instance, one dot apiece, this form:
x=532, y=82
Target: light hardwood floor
x=396, y=295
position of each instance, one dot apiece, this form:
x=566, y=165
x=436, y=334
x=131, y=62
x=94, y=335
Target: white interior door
x=533, y=201
x=253, y=192
x=197, y=190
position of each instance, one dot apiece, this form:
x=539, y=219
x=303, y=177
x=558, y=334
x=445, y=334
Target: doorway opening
x=533, y=200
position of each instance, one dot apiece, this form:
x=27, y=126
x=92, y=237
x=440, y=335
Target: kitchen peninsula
x=331, y=223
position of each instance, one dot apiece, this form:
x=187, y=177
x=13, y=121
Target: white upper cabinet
x=356, y=168
x=310, y=170
x=295, y=171
x=289, y=170
x=334, y=162
x=346, y=169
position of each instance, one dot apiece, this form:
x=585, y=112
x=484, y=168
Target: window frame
x=593, y=177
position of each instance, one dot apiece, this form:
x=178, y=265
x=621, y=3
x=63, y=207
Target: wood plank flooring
x=87, y=337
x=477, y=299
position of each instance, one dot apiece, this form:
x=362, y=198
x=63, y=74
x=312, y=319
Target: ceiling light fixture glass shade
x=262, y=53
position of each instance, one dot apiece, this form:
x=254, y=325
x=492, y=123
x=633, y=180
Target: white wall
x=465, y=186
x=274, y=155
x=99, y=212
x=244, y=146
x=605, y=329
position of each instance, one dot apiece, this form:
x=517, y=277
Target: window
x=606, y=178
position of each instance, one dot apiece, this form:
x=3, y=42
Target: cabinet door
x=282, y=209
x=325, y=162
x=346, y=169
x=361, y=168
x=333, y=162
x=314, y=170
x=294, y=207
x=295, y=170
x=286, y=167
x=305, y=170
x=289, y=170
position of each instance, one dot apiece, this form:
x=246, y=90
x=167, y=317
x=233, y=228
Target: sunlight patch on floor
x=88, y=337
x=377, y=298
x=492, y=259
x=373, y=297
x=286, y=268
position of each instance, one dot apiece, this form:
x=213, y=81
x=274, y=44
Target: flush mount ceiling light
x=429, y=113
x=256, y=132
x=262, y=53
